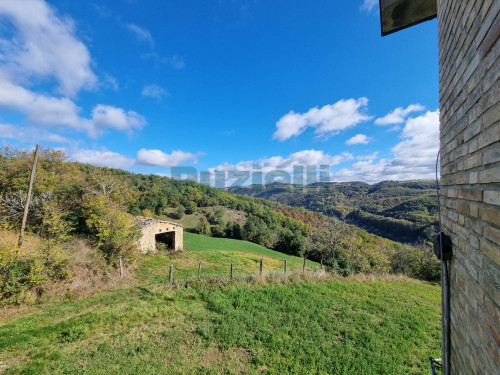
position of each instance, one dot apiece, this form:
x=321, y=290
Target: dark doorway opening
x=167, y=239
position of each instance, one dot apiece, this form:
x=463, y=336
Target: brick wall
x=469, y=91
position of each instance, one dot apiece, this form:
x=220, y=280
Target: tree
x=180, y=212
x=256, y=230
x=291, y=242
x=327, y=244
x=204, y=227
x=191, y=207
x=217, y=217
x=233, y=230
x=113, y=231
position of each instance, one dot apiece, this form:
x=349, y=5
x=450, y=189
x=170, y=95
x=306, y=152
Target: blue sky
x=221, y=85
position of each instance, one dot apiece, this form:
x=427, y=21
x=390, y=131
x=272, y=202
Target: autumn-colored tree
x=114, y=231
x=204, y=227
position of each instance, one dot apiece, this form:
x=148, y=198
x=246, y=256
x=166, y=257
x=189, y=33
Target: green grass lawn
x=216, y=255
x=344, y=326
x=336, y=327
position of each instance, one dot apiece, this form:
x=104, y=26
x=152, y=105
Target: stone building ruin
x=154, y=231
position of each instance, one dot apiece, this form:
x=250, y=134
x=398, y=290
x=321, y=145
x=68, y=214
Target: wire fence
x=233, y=273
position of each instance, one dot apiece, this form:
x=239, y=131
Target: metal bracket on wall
x=445, y=247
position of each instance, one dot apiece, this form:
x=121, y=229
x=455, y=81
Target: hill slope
x=404, y=211
x=216, y=255
x=338, y=327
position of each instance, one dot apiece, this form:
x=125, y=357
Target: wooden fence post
x=199, y=271
x=28, y=197
x=171, y=274
x=321, y=264
x=285, y=265
x=304, y=266
x=121, y=266
x=231, y=271
x=261, y=265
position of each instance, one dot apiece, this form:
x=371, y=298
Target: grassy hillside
x=299, y=324
x=400, y=210
x=337, y=327
x=216, y=255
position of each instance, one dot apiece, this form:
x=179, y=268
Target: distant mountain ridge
x=404, y=211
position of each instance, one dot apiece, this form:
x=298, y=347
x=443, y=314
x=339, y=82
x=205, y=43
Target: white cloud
x=421, y=142
x=110, y=82
x=358, y=139
x=102, y=158
x=43, y=46
x=413, y=158
x=161, y=159
x=371, y=156
x=399, y=115
x=8, y=131
x=303, y=158
x=141, y=34
x=154, y=91
x=64, y=113
x=177, y=62
x=106, y=116
x=368, y=5
x=328, y=120
x=40, y=109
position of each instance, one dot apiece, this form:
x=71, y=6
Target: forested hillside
x=71, y=200
x=404, y=211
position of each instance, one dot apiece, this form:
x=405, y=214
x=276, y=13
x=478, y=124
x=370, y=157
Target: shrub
x=418, y=262
x=25, y=275
x=146, y=213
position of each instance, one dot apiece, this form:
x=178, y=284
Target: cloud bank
x=158, y=158
x=326, y=121
x=413, y=158
x=304, y=158
x=103, y=158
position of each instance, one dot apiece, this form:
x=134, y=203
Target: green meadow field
x=275, y=325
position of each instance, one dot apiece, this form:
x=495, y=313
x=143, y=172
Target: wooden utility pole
x=28, y=198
